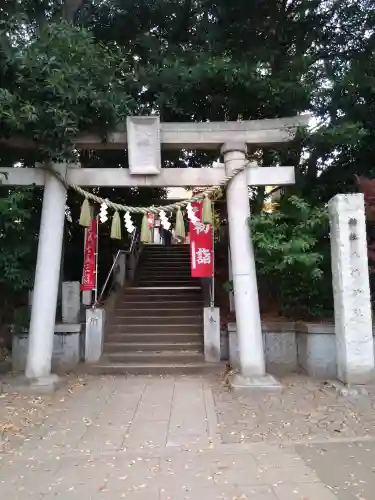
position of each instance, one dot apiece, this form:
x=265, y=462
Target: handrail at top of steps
x=133, y=245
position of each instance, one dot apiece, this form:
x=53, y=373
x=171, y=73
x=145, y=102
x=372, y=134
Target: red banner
x=201, y=246
x=89, y=262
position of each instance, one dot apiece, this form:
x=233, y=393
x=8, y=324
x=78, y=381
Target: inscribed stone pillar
x=70, y=301
x=351, y=290
x=47, y=274
x=211, y=322
x=249, y=330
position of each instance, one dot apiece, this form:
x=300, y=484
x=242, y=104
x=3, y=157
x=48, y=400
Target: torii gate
x=144, y=138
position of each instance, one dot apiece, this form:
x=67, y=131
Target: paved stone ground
x=306, y=409
x=180, y=438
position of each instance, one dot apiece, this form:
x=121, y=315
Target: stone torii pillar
x=47, y=274
x=249, y=328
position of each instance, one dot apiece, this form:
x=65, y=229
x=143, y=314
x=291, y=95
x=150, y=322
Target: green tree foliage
x=198, y=60
x=292, y=256
x=64, y=82
x=19, y=226
x=342, y=144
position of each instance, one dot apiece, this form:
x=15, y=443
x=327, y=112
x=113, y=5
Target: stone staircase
x=157, y=326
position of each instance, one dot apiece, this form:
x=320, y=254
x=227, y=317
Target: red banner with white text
x=201, y=246
x=89, y=261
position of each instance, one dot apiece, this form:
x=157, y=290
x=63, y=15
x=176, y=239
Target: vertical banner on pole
x=201, y=246
x=89, y=261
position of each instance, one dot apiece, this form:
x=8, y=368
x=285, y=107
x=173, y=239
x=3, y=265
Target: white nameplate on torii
x=144, y=149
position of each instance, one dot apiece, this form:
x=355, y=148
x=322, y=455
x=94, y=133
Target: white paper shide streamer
x=103, y=212
x=128, y=223
x=191, y=214
x=164, y=220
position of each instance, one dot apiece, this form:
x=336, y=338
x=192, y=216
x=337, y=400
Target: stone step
x=166, y=253
x=164, y=265
x=125, y=305
x=170, y=290
x=145, y=320
x=164, y=272
x=157, y=245
x=120, y=347
x=165, y=276
x=145, y=256
x=125, y=328
x=150, y=301
x=165, y=259
x=153, y=338
x=151, y=312
x=103, y=368
x=161, y=282
x=145, y=263
x=151, y=262
x=165, y=248
x=173, y=259
x=147, y=300
x=150, y=298
x=160, y=274
x=140, y=357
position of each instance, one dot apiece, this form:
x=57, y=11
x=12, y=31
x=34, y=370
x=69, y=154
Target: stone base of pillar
x=40, y=385
x=239, y=383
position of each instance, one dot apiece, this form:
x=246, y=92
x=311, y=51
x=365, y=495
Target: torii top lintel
x=204, y=135
x=193, y=135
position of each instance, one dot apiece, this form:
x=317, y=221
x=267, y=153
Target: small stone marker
x=70, y=301
x=211, y=319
